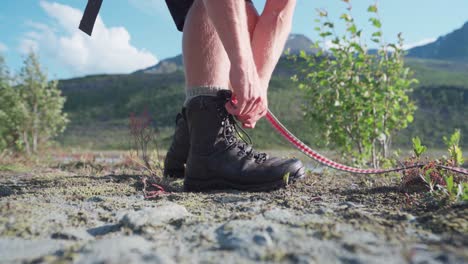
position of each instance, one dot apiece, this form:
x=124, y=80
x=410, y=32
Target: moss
x=17, y=219
x=274, y=255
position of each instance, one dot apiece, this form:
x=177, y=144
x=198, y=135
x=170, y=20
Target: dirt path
x=92, y=213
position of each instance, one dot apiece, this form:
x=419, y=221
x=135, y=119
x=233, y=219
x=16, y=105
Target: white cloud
x=108, y=51
x=419, y=43
x=3, y=47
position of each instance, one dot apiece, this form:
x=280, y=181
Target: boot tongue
x=225, y=94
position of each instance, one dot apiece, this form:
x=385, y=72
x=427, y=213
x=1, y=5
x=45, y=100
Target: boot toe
x=296, y=170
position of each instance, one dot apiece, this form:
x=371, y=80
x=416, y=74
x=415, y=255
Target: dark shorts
x=179, y=10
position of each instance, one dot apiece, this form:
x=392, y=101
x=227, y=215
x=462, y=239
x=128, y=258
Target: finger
x=252, y=106
x=252, y=119
x=249, y=125
x=232, y=109
x=263, y=113
x=258, y=110
x=244, y=117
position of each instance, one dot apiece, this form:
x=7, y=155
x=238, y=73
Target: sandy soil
x=94, y=213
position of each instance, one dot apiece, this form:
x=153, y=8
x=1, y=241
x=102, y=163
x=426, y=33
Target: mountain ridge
x=294, y=45
x=452, y=46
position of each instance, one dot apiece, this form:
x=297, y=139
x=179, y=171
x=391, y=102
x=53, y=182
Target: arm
x=230, y=20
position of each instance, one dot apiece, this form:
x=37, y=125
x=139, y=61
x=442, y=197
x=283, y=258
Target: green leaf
x=375, y=22
x=323, y=13
x=325, y=34
x=372, y=9
x=352, y=29
x=346, y=17
x=449, y=184
x=286, y=178
x=418, y=148
x=328, y=24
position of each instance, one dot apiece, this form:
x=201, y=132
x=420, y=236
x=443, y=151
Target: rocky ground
x=90, y=213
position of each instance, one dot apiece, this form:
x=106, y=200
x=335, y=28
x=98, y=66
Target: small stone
x=6, y=191
x=73, y=234
x=95, y=199
x=324, y=211
x=103, y=230
x=158, y=216
x=262, y=239
x=409, y=217
x=348, y=205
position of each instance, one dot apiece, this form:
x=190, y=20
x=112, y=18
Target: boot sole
x=193, y=185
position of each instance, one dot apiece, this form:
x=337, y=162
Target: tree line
x=31, y=108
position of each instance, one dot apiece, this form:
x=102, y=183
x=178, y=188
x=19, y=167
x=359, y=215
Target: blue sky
x=134, y=34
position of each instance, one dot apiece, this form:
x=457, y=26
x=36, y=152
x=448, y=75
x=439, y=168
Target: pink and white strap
x=283, y=131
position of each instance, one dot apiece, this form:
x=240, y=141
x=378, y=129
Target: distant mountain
x=298, y=42
x=295, y=43
x=453, y=47
x=166, y=66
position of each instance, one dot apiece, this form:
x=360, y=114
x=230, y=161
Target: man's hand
x=249, y=102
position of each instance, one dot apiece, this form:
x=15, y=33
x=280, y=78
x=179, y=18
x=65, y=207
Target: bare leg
x=205, y=59
x=269, y=33
x=212, y=25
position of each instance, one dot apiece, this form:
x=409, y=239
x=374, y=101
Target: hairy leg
x=205, y=59
x=269, y=33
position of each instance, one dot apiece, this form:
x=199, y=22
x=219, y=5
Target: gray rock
x=402, y=216
x=280, y=215
x=154, y=217
x=73, y=234
x=348, y=205
x=423, y=254
x=262, y=239
x=324, y=211
x=251, y=238
x=231, y=199
x=6, y=191
x=103, y=230
x=95, y=199
x=131, y=249
x=20, y=250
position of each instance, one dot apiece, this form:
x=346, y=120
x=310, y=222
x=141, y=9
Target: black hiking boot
x=176, y=157
x=218, y=159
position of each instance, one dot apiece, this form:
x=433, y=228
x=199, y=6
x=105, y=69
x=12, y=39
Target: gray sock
x=193, y=92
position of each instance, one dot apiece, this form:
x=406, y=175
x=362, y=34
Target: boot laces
x=232, y=131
